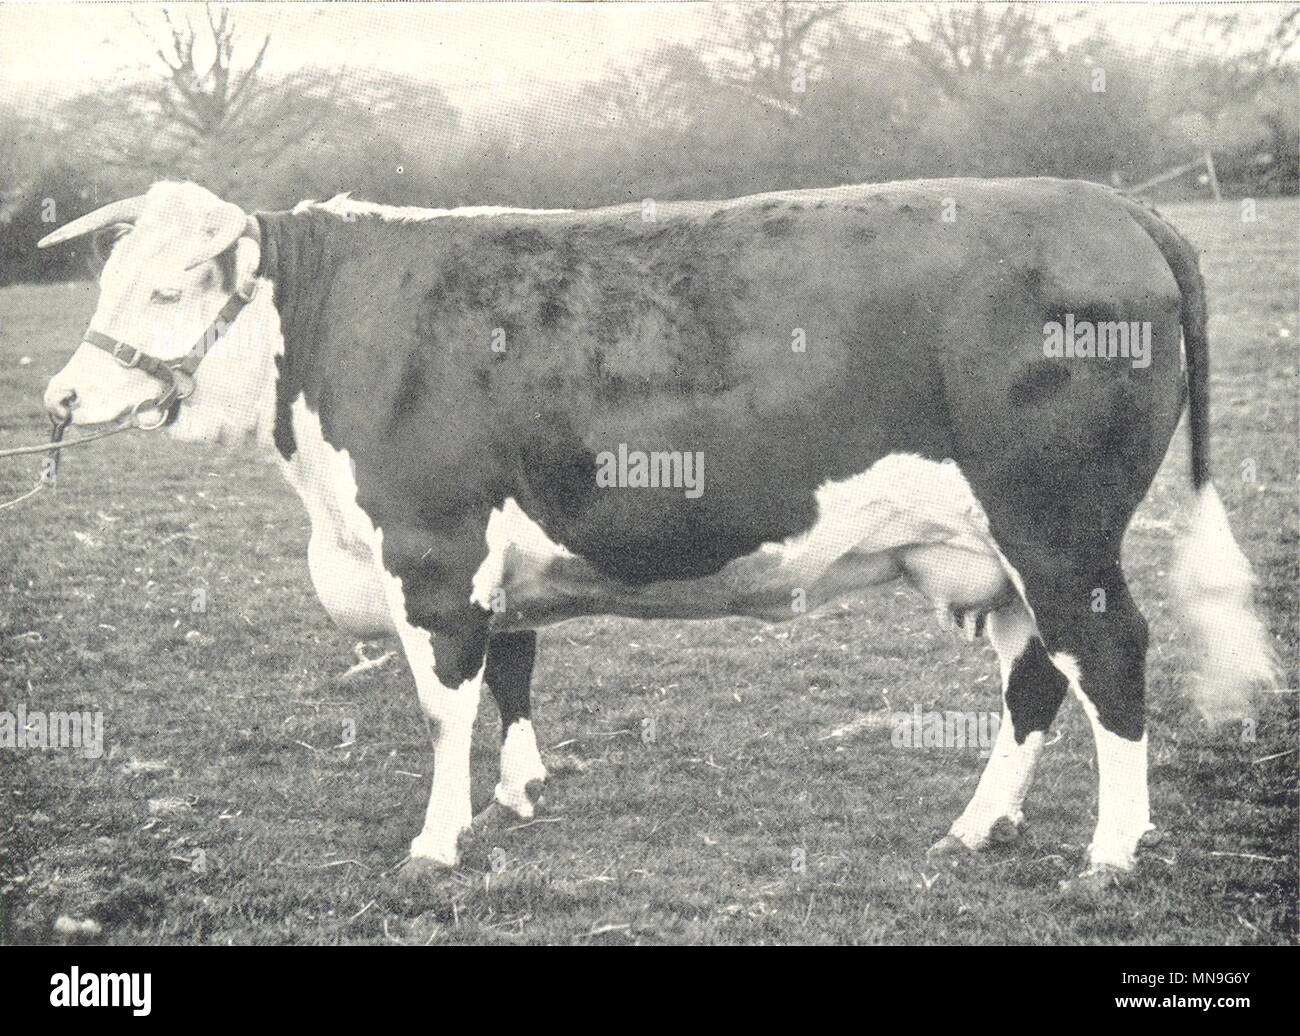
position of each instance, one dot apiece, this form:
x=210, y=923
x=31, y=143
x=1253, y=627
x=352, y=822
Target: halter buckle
x=119, y=348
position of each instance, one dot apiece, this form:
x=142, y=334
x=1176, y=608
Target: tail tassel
x=1213, y=591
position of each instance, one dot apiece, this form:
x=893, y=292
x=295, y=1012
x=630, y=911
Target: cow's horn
x=222, y=228
x=124, y=211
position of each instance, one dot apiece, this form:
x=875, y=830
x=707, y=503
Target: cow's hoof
x=416, y=885
x=1005, y=831
x=521, y=803
x=1096, y=882
x=439, y=848
x=949, y=849
x=1150, y=839
x=492, y=817
x=418, y=866
x=420, y=875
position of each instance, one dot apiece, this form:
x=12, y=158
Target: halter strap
x=177, y=375
x=129, y=356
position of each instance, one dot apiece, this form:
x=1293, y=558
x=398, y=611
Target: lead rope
x=56, y=446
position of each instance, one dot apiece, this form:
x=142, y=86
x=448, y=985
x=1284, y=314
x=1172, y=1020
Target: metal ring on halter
x=182, y=384
x=162, y=404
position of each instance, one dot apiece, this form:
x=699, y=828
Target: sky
x=471, y=50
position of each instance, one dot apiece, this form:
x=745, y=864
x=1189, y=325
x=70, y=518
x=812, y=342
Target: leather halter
x=176, y=375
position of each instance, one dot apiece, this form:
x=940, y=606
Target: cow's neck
x=249, y=381
x=301, y=253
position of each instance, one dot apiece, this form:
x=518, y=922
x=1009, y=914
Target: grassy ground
x=220, y=726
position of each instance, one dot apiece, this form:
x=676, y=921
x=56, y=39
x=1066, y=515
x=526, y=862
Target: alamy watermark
x=36, y=729
x=73, y=988
x=654, y=469
x=951, y=729
x=1102, y=340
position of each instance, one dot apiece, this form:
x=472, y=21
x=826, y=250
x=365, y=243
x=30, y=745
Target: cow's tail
x=1211, y=581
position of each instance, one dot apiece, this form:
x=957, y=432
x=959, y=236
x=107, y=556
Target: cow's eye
x=166, y=294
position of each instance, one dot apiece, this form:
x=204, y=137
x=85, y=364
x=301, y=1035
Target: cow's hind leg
x=510, y=658
x=1095, y=639
x=1032, y=691
x=1098, y=639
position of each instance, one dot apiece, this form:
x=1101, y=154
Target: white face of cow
x=178, y=255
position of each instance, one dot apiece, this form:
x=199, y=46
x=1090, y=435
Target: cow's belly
x=339, y=557
x=904, y=517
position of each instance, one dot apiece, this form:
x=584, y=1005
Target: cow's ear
x=248, y=256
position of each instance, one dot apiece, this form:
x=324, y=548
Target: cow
x=503, y=419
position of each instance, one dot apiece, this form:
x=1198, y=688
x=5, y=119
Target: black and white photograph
x=649, y=474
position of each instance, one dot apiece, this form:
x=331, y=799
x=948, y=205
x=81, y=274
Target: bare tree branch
x=962, y=44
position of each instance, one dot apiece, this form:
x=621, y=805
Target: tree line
x=787, y=95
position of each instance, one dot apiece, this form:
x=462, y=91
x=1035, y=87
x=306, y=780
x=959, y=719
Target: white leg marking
x=1005, y=781
x=520, y=763
x=1123, y=805
x=451, y=712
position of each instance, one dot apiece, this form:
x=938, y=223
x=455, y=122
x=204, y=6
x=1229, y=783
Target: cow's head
x=173, y=261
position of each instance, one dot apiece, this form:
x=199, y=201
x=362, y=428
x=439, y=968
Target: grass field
x=220, y=726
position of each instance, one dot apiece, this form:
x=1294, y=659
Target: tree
x=661, y=90
x=37, y=190
x=211, y=113
x=1239, y=100
x=782, y=46
x=961, y=44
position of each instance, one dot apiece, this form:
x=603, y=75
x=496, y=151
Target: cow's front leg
x=450, y=711
x=445, y=642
